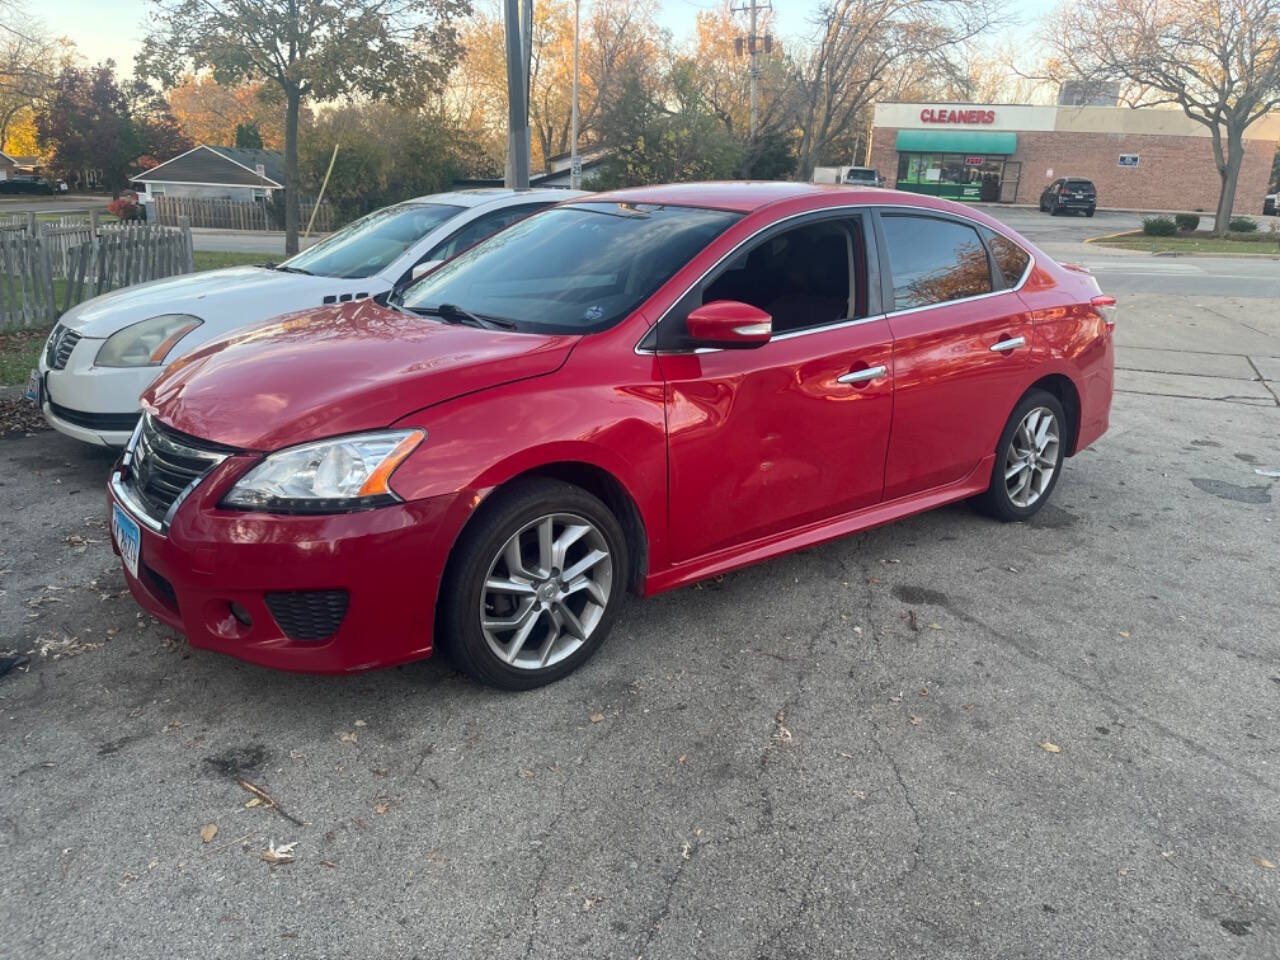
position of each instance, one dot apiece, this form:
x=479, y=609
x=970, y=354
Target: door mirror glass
x=729, y=325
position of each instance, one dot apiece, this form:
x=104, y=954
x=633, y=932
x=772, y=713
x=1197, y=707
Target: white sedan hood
x=226, y=300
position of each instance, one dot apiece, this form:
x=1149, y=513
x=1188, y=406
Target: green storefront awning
x=985, y=142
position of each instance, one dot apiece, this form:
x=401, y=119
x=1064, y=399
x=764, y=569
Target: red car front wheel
x=534, y=586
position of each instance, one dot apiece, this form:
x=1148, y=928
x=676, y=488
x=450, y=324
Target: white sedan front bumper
x=97, y=405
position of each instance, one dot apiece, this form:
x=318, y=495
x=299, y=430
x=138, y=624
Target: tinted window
x=373, y=242
x=575, y=268
x=1010, y=258
x=800, y=277
x=934, y=260
x=485, y=225
x=1085, y=185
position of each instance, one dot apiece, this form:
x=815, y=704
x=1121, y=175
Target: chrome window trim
x=850, y=208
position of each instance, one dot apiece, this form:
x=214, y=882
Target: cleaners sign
x=950, y=115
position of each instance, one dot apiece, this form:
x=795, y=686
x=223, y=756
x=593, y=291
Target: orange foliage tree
x=209, y=112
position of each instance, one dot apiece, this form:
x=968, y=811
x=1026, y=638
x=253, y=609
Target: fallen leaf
x=1124, y=633
x=684, y=851
x=381, y=807
x=924, y=691
x=360, y=723
x=589, y=902
x=934, y=626
x=682, y=758
x=1050, y=747
x=348, y=737
x=1264, y=863
x=597, y=717
x=253, y=802
x=280, y=854
x=915, y=721
x=208, y=832
x=968, y=706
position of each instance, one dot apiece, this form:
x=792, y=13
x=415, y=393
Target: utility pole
x=754, y=41
x=575, y=161
x=517, y=93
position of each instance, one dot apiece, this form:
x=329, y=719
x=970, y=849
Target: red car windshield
x=572, y=269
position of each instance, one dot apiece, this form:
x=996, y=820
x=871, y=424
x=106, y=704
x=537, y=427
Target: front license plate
x=128, y=538
x=34, y=385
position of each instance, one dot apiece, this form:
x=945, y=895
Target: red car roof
x=742, y=196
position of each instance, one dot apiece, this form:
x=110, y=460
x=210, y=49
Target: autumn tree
x=857, y=46
x=1217, y=60
x=723, y=79
x=311, y=50
x=91, y=121
x=29, y=60
x=210, y=112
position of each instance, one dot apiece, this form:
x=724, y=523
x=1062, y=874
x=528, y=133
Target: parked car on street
x=855, y=176
x=103, y=352
x=1070, y=194
x=26, y=183
x=627, y=393
x=1269, y=205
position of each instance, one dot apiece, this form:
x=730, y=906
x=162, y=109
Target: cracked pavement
x=834, y=754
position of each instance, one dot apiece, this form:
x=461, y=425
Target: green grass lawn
x=19, y=350
x=1248, y=243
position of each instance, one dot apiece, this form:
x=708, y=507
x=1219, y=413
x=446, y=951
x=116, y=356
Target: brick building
x=1144, y=159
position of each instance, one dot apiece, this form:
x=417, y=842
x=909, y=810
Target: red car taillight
x=1106, y=309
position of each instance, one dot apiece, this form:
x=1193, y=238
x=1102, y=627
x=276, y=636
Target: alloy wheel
x=546, y=591
x=1032, y=457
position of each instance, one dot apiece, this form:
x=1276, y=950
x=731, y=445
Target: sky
x=114, y=28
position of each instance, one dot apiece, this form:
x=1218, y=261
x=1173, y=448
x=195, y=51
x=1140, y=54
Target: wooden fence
x=237, y=214
x=47, y=268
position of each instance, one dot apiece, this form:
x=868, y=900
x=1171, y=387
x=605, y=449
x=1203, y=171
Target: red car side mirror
x=729, y=325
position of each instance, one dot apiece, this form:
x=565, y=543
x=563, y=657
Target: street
x=944, y=738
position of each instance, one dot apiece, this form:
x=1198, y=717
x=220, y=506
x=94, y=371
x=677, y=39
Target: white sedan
x=104, y=352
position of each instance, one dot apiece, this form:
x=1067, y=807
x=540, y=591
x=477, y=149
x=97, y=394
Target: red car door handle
x=862, y=376
x=1013, y=343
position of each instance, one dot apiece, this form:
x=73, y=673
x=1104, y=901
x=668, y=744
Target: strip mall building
x=1144, y=159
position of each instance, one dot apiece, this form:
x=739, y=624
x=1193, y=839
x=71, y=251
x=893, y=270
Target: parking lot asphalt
x=945, y=737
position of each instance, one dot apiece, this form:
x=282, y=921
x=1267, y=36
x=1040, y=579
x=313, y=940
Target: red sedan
x=625, y=393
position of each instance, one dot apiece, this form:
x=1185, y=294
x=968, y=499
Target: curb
x=1211, y=255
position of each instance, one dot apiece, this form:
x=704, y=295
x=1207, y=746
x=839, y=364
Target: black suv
x=1069, y=193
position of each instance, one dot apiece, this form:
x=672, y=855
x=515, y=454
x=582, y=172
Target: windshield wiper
x=287, y=269
x=452, y=313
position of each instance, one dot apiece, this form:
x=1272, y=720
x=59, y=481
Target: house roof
x=220, y=166
x=5, y=158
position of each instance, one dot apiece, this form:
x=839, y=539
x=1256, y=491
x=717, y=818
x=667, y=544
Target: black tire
x=1042, y=206
x=1054, y=210
x=997, y=501
x=462, y=592
x=1089, y=212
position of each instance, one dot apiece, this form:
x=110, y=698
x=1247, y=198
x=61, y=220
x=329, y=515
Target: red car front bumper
x=387, y=561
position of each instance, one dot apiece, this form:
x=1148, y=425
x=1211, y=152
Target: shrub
x=1242, y=225
x=1159, y=227
x=125, y=206
x=1187, y=221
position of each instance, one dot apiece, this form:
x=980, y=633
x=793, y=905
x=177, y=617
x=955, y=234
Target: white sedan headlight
x=146, y=343
x=329, y=476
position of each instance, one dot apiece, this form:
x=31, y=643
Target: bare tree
x=1219, y=60
x=855, y=48
x=29, y=59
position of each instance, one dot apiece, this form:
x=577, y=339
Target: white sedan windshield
x=373, y=242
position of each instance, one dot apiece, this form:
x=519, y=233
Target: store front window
x=954, y=175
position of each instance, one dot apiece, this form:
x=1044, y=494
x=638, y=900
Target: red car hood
x=338, y=370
